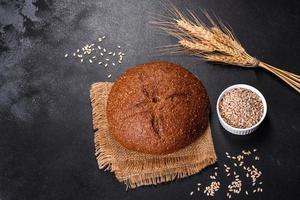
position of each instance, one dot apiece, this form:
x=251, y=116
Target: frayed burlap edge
x=133, y=167
x=166, y=175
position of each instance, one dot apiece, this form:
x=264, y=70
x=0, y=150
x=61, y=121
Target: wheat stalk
x=213, y=43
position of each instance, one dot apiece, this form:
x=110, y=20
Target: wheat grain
x=196, y=46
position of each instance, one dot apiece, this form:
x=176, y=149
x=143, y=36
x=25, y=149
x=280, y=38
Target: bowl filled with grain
x=241, y=109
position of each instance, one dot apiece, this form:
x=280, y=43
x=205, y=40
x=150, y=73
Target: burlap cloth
x=137, y=169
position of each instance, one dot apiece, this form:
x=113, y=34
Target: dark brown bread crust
x=157, y=108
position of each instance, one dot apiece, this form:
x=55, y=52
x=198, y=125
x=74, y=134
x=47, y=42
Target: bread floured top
x=157, y=108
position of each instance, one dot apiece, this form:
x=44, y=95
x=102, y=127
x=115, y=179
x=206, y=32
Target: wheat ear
x=214, y=42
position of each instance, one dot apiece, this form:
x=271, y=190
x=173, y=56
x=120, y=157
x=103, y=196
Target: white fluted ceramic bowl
x=241, y=131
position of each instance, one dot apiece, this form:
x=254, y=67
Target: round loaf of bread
x=157, y=108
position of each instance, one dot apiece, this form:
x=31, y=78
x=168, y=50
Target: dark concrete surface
x=46, y=135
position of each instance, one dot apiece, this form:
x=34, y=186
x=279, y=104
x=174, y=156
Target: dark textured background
x=46, y=136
